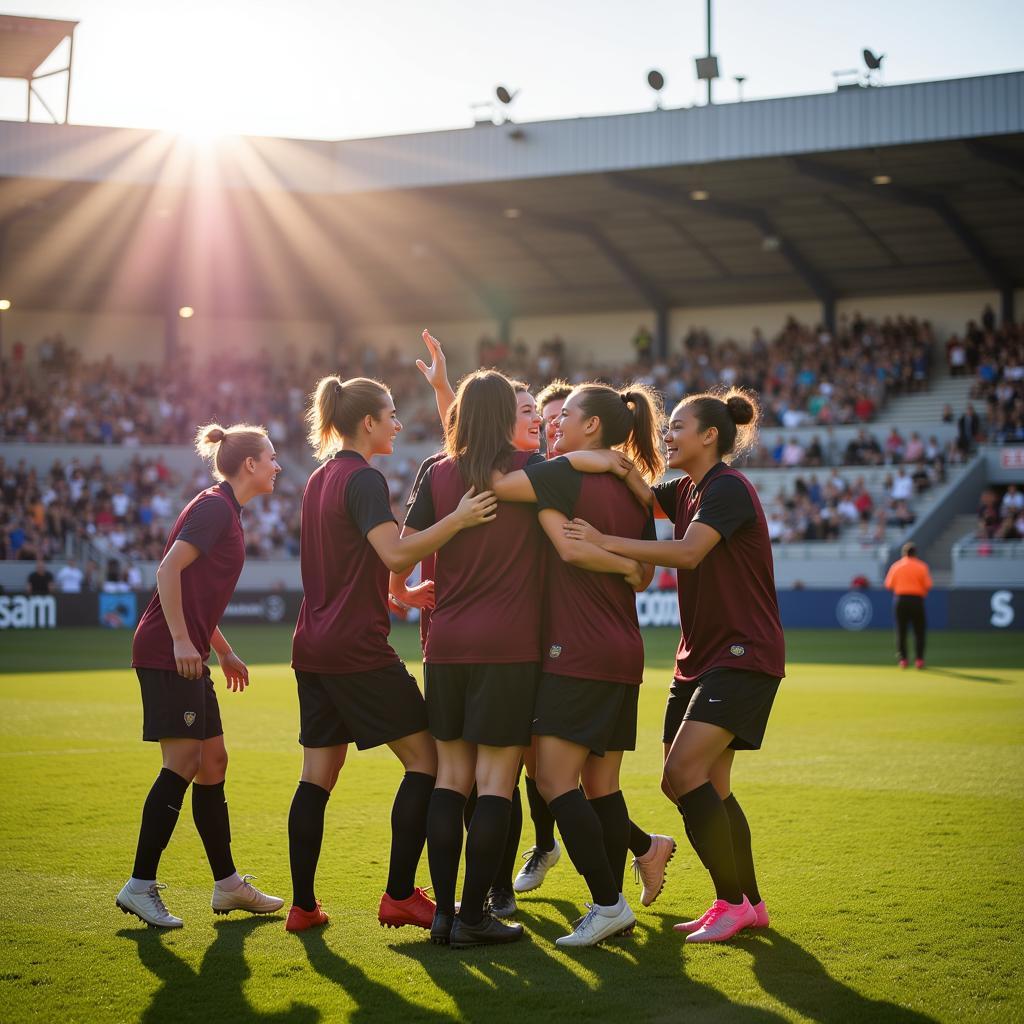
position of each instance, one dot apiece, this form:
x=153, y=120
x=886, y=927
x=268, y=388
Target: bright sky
x=348, y=68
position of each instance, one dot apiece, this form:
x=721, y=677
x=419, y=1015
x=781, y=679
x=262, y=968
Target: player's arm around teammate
x=195, y=580
x=731, y=655
x=352, y=686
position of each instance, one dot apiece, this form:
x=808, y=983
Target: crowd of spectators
x=1001, y=514
x=826, y=507
x=52, y=394
x=804, y=375
x=994, y=357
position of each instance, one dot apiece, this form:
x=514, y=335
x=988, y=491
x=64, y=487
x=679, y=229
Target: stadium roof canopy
x=25, y=44
x=860, y=192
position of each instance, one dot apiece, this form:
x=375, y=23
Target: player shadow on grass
x=373, y=1000
x=215, y=990
x=970, y=676
x=796, y=978
x=634, y=977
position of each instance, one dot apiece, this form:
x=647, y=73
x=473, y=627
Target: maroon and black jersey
x=487, y=580
x=344, y=622
x=428, y=563
x=728, y=609
x=590, y=629
x=212, y=522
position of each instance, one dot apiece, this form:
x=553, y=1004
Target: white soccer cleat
x=147, y=906
x=600, y=923
x=244, y=897
x=538, y=864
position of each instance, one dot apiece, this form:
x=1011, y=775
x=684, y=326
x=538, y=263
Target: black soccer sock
x=741, y=849
x=305, y=836
x=507, y=864
x=543, y=819
x=210, y=813
x=444, y=845
x=584, y=841
x=707, y=819
x=408, y=832
x=639, y=840
x=693, y=843
x=614, y=817
x=467, y=811
x=485, y=845
x=159, y=816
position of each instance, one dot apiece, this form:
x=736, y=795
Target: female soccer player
x=481, y=657
x=526, y=437
x=731, y=655
x=352, y=686
x=593, y=652
x=651, y=852
x=170, y=650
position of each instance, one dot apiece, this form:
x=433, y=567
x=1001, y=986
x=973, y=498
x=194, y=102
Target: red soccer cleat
x=417, y=910
x=903, y=662
x=919, y=663
x=299, y=920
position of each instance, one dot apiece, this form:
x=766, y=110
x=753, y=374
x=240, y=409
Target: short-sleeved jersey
x=344, y=622
x=428, y=563
x=590, y=626
x=728, y=609
x=212, y=522
x=908, y=577
x=487, y=580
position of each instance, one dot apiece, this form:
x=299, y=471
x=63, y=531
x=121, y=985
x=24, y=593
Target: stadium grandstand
x=853, y=257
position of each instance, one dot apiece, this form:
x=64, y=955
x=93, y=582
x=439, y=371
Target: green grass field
x=887, y=810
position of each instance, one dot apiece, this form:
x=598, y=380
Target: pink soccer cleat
x=723, y=921
x=695, y=924
x=919, y=663
x=760, y=916
x=903, y=662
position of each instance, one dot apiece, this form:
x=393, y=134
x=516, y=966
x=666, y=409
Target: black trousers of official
x=909, y=611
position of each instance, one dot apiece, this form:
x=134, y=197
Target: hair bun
x=215, y=435
x=740, y=410
x=627, y=397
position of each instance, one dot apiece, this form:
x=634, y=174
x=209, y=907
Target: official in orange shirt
x=910, y=581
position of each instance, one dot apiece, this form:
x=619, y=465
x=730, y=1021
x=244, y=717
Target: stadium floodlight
x=698, y=195
x=186, y=312
x=873, y=63
x=504, y=95
x=5, y=304
x=881, y=179
x=512, y=213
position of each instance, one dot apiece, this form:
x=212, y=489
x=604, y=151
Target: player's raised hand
x=580, y=529
x=475, y=509
x=437, y=372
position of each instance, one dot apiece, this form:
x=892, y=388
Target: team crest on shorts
x=737, y=650
x=190, y=717
x=554, y=650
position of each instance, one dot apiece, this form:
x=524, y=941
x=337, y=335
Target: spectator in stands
x=894, y=446
x=40, y=580
x=70, y=578
x=914, y=450
x=1012, y=501
x=988, y=514
x=792, y=453
x=902, y=486
x=968, y=430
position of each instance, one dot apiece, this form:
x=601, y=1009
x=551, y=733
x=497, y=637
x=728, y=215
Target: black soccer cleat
x=441, y=929
x=488, y=932
x=501, y=903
